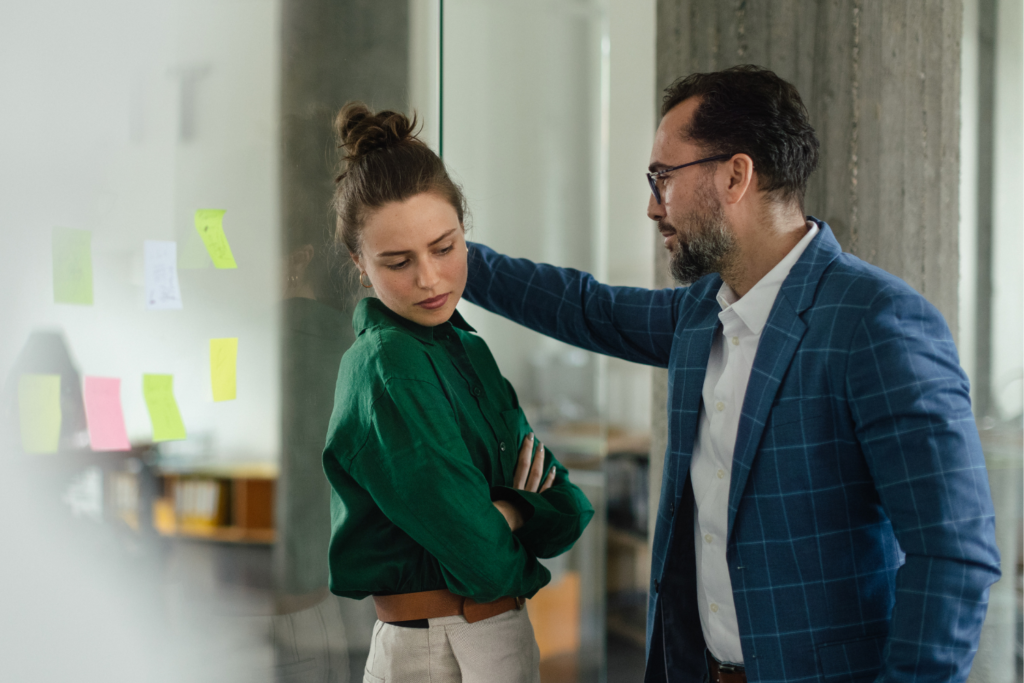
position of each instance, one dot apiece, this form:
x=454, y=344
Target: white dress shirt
x=725, y=384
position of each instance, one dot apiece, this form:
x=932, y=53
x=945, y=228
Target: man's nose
x=654, y=209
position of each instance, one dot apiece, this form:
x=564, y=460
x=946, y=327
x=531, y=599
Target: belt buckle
x=520, y=602
x=730, y=668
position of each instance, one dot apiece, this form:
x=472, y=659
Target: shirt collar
x=371, y=312
x=755, y=306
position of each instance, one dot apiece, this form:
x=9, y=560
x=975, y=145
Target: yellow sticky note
x=210, y=226
x=72, y=266
x=223, y=362
x=163, y=409
x=39, y=412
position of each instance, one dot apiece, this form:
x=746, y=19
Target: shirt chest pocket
x=516, y=425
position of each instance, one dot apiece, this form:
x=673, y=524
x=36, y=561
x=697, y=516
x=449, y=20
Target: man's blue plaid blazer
x=861, y=531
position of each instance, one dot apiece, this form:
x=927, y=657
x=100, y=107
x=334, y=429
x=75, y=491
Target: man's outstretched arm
x=631, y=323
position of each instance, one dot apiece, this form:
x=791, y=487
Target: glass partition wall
x=174, y=311
x=524, y=130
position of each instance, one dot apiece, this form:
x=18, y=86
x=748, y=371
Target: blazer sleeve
x=631, y=323
x=911, y=409
x=422, y=477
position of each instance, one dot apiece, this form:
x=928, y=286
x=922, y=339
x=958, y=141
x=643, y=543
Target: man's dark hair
x=748, y=109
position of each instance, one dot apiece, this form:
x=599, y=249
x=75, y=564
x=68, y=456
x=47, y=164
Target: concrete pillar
x=331, y=52
x=881, y=81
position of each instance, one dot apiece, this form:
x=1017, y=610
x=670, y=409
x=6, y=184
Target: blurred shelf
x=630, y=539
x=229, y=534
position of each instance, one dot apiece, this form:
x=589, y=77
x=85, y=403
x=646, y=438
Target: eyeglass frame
x=653, y=178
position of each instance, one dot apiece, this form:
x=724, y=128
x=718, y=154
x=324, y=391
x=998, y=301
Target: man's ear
x=737, y=178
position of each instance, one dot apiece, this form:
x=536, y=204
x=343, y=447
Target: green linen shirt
x=424, y=435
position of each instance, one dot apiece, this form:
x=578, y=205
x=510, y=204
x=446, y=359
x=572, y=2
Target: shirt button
x=708, y=538
x=719, y=406
x=735, y=341
x=477, y=391
x=714, y=608
x=721, y=474
x=502, y=446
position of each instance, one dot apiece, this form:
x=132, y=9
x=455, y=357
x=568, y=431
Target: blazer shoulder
x=850, y=280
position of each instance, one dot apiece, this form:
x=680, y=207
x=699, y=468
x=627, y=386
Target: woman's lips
x=436, y=302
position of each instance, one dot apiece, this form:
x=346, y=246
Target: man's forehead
x=669, y=144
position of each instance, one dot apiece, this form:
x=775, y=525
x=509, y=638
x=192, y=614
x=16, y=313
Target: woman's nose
x=427, y=275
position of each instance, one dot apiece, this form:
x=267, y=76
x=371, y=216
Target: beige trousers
x=501, y=649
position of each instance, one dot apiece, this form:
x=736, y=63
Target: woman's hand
x=530, y=468
x=527, y=477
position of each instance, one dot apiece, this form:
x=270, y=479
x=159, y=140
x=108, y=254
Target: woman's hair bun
x=361, y=132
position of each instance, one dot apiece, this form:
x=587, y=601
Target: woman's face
x=414, y=255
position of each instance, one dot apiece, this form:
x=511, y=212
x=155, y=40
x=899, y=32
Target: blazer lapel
x=779, y=341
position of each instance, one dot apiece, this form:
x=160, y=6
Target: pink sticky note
x=104, y=415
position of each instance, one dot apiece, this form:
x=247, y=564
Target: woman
x=434, y=513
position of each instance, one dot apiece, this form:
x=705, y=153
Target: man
x=825, y=512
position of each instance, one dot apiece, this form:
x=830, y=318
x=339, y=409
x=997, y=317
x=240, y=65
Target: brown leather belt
x=440, y=603
x=725, y=673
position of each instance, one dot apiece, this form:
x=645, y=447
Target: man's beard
x=710, y=246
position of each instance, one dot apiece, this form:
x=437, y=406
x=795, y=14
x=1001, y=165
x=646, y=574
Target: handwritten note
x=223, y=362
x=162, y=290
x=72, y=266
x=210, y=226
x=163, y=409
x=104, y=415
x=39, y=412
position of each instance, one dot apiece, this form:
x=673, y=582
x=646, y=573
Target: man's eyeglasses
x=653, y=178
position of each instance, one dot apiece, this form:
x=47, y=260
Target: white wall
x=90, y=138
x=631, y=235
x=549, y=119
x=1007, y=334
x=1007, y=215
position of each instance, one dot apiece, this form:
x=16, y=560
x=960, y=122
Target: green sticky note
x=223, y=361
x=39, y=412
x=210, y=226
x=163, y=409
x=72, y=266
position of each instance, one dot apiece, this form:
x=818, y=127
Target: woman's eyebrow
x=442, y=237
x=385, y=254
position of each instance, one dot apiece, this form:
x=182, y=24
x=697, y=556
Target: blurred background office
x=162, y=504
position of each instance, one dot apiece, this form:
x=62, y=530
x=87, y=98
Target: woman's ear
x=355, y=259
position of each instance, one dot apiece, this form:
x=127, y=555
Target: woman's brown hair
x=383, y=161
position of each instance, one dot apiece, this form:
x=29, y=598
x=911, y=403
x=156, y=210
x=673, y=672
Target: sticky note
x=104, y=415
x=163, y=409
x=209, y=225
x=72, y=266
x=39, y=412
x=223, y=361
x=162, y=290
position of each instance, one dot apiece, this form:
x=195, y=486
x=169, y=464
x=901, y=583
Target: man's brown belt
x=725, y=673
x=440, y=603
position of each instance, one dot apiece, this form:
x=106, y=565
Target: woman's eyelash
x=446, y=249
x=396, y=266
